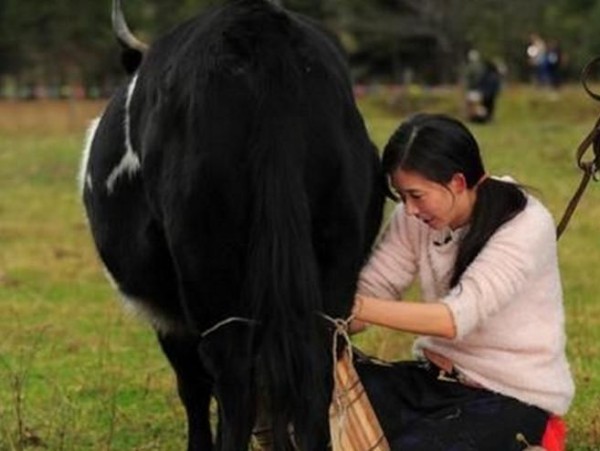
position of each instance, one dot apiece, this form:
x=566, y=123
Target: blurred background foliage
x=390, y=41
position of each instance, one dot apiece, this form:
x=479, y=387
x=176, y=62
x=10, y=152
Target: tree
x=66, y=40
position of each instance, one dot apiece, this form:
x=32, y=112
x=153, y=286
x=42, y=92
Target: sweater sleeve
x=514, y=254
x=393, y=263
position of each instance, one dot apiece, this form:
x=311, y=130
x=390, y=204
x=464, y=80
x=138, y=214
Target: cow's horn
x=124, y=35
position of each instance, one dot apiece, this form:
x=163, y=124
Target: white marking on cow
x=130, y=162
x=84, y=178
x=139, y=309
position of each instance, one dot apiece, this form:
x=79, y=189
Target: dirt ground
x=48, y=116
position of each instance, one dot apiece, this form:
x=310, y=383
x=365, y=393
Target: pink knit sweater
x=507, y=307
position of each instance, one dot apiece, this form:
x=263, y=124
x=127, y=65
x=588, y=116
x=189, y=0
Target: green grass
x=77, y=373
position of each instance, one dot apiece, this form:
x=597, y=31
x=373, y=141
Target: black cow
x=233, y=195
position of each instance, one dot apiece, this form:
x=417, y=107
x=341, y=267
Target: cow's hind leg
x=227, y=354
x=194, y=386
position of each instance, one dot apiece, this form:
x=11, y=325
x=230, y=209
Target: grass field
x=77, y=373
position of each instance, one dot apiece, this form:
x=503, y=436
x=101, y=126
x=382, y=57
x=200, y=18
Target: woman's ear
x=458, y=182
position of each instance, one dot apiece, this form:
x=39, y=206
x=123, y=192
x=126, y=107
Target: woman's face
x=437, y=205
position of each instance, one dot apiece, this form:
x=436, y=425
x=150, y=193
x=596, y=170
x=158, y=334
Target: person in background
x=537, y=56
x=482, y=85
x=554, y=62
x=474, y=71
x=490, y=370
x=490, y=85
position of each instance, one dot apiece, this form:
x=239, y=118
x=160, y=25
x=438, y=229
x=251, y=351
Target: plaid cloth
x=352, y=420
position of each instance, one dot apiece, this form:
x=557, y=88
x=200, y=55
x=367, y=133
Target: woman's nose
x=411, y=208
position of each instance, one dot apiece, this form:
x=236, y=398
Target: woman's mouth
x=430, y=222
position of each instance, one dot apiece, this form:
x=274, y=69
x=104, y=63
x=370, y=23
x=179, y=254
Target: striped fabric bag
x=352, y=420
x=353, y=424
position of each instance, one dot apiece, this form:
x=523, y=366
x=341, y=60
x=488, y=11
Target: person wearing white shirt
x=490, y=368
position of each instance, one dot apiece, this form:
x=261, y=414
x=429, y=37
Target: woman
x=490, y=366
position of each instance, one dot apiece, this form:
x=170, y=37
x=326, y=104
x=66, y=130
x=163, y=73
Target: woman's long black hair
x=437, y=147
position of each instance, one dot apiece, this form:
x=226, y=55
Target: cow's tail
x=283, y=281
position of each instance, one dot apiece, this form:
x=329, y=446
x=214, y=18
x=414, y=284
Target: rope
x=232, y=319
x=340, y=393
x=589, y=168
x=587, y=175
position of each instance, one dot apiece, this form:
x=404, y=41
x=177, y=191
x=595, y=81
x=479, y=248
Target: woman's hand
x=358, y=300
x=356, y=325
